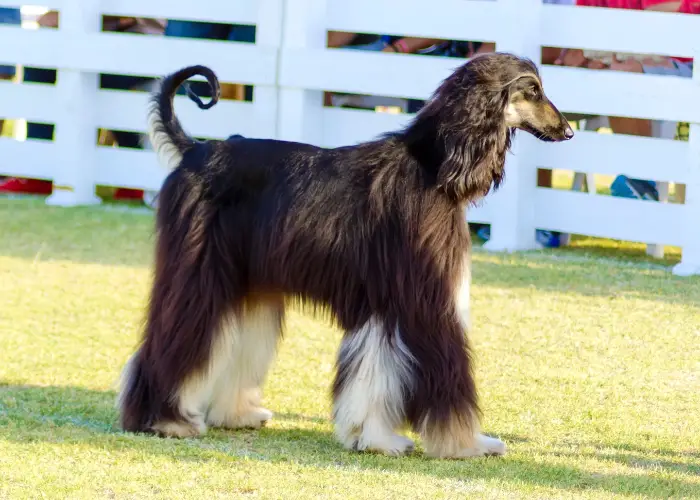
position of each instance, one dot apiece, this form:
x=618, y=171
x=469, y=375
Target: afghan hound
x=374, y=233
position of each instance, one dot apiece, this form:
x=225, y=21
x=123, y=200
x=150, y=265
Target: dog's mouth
x=542, y=136
x=558, y=136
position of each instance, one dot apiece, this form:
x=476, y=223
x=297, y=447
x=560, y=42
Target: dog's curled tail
x=168, y=138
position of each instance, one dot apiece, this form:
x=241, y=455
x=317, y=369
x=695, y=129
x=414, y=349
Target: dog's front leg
x=463, y=294
x=450, y=427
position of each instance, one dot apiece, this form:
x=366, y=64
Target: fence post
x=268, y=34
x=512, y=225
x=75, y=132
x=300, y=111
x=690, y=260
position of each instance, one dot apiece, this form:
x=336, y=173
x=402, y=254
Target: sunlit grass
x=588, y=368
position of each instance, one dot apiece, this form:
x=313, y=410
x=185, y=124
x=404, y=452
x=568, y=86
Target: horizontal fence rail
x=290, y=68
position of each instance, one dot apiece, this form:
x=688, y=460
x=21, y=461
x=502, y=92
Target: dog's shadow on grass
x=82, y=416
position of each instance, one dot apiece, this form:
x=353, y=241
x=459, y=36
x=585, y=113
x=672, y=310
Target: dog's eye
x=535, y=93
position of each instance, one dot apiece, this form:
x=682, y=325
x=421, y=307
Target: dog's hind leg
x=154, y=399
x=372, y=381
x=236, y=401
x=198, y=391
x=188, y=342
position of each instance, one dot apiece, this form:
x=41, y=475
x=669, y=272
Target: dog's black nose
x=568, y=133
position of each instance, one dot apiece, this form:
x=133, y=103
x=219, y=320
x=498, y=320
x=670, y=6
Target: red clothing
x=686, y=7
x=622, y=4
x=690, y=7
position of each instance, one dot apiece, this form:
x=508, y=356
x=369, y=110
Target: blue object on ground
x=548, y=239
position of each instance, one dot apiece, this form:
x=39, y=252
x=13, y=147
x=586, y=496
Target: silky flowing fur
x=373, y=233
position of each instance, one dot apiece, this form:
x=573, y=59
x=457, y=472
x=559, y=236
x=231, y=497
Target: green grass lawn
x=588, y=367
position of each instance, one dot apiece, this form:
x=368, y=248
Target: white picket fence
x=290, y=67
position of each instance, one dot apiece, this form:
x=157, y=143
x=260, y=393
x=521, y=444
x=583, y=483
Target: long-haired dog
x=374, y=233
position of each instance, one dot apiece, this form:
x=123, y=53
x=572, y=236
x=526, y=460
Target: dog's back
x=241, y=169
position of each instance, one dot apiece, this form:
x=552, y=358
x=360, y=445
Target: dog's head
x=528, y=108
x=468, y=123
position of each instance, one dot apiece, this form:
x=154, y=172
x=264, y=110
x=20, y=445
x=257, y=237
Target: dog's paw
x=392, y=445
x=255, y=418
x=484, y=446
x=179, y=429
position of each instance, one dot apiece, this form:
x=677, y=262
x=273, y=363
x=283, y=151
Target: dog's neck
x=464, y=159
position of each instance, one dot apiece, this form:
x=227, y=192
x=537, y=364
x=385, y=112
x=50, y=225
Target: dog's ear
x=474, y=153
